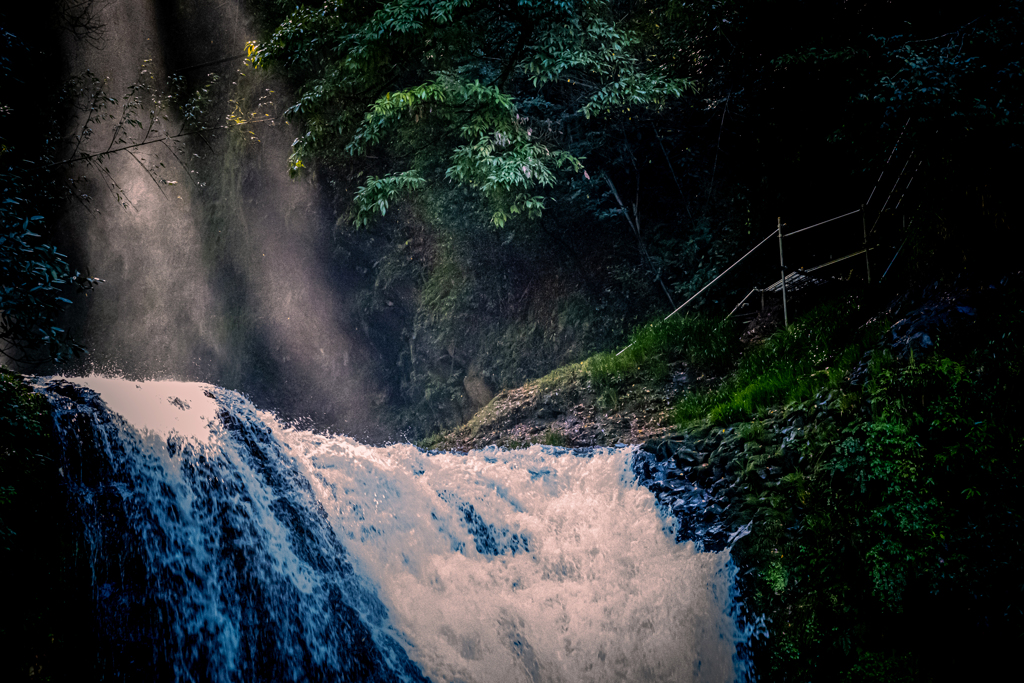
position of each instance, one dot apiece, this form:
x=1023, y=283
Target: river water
x=225, y=545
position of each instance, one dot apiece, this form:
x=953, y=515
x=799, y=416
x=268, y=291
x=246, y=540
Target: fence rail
x=799, y=278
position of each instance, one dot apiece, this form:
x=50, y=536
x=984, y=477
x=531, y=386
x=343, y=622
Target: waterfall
x=225, y=545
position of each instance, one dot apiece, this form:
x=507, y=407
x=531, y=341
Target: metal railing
x=799, y=278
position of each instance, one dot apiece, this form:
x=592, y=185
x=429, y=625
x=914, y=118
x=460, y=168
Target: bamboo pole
x=867, y=257
x=782, y=269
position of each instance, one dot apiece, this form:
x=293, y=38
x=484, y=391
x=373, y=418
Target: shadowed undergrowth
x=816, y=352
x=697, y=340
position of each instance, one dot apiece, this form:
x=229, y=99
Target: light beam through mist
x=220, y=268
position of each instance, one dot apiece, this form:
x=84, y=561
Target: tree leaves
x=34, y=277
x=450, y=60
x=378, y=193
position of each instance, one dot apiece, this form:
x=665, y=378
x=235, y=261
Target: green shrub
x=554, y=438
x=698, y=340
x=890, y=548
x=794, y=364
x=753, y=431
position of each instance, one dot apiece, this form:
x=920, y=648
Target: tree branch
x=86, y=157
x=525, y=32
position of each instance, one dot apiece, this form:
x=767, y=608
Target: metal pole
x=742, y=301
x=867, y=257
x=782, y=269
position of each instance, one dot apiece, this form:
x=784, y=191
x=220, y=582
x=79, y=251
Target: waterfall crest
x=225, y=545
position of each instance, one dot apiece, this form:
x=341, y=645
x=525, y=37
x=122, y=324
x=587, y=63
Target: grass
x=553, y=438
x=429, y=442
x=560, y=377
x=794, y=364
x=698, y=340
x=753, y=431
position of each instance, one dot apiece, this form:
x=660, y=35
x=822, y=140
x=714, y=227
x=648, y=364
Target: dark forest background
x=696, y=126
x=553, y=174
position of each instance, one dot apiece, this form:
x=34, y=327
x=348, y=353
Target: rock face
x=480, y=393
x=700, y=477
x=564, y=412
x=919, y=326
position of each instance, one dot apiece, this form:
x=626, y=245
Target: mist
x=217, y=265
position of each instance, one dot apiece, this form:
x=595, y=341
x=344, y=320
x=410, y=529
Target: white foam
x=160, y=407
x=603, y=594
x=579, y=579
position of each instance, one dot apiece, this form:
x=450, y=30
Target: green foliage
x=430, y=441
x=45, y=633
x=886, y=521
x=35, y=279
x=794, y=364
x=35, y=282
x=604, y=59
x=969, y=77
x=378, y=193
x=525, y=114
x=698, y=340
x=194, y=104
x=554, y=438
x=753, y=432
x=27, y=506
x=23, y=434
x=459, y=85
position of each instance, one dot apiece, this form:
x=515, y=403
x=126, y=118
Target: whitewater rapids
x=270, y=552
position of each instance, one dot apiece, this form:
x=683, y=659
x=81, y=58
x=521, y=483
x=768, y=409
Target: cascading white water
x=271, y=553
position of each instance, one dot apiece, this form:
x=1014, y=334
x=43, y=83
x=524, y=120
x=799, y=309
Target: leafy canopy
x=450, y=73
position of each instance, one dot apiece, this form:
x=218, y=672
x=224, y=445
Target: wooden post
x=867, y=257
x=782, y=269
